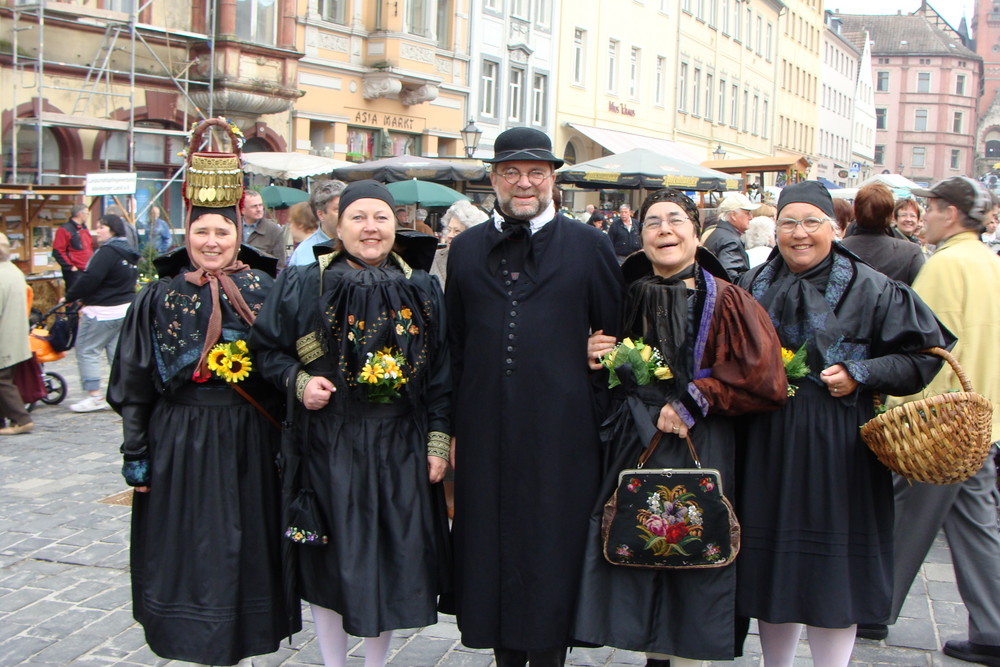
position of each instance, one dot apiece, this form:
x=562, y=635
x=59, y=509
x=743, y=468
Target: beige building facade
x=380, y=79
x=798, y=81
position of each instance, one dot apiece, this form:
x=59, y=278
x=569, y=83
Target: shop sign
x=99, y=185
x=387, y=121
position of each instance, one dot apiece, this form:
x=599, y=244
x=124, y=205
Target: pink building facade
x=926, y=94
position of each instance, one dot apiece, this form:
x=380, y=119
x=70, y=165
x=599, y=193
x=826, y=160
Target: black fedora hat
x=523, y=143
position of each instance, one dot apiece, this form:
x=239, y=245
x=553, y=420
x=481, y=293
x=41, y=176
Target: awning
x=289, y=165
x=617, y=141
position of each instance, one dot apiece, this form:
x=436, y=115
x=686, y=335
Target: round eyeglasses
x=513, y=176
x=788, y=225
x=653, y=223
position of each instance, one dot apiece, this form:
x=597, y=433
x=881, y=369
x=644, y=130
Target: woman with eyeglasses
x=815, y=504
x=726, y=361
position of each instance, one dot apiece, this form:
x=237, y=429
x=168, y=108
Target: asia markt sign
x=387, y=121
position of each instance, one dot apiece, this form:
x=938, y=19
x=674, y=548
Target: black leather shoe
x=653, y=662
x=875, y=631
x=984, y=654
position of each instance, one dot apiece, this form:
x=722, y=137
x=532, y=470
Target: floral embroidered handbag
x=669, y=518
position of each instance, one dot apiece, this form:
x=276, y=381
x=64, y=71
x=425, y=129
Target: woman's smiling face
x=668, y=238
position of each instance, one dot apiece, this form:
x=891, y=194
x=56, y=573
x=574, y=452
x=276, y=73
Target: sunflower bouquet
x=795, y=365
x=230, y=361
x=382, y=375
x=646, y=362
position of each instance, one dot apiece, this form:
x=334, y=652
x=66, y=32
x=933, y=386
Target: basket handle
x=955, y=366
x=203, y=127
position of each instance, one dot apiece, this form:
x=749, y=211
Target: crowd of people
x=404, y=360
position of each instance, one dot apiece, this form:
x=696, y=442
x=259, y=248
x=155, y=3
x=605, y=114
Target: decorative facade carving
x=418, y=53
x=424, y=93
x=443, y=65
x=379, y=84
x=332, y=42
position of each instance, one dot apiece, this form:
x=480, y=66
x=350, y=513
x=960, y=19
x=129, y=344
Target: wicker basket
x=939, y=440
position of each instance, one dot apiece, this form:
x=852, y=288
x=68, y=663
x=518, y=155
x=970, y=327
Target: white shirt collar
x=537, y=222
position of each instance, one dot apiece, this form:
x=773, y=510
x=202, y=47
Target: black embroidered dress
x=387, y=557
x=205, y=549
x=815, y=505
x=726, y=362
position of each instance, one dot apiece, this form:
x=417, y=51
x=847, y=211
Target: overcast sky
x=951, y=10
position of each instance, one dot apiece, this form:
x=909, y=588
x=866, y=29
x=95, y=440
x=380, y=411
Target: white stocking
x=831, y=647
x=331, y=636
x=376, y=649
x=674, y=660
x=778, y=641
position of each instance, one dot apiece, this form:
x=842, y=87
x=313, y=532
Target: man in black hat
x=524, y=291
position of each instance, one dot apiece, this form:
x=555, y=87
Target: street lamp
x=470, y=137
x=719, y=153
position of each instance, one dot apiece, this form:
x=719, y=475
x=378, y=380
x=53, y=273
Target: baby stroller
x=51, y=345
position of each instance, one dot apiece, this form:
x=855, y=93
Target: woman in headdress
x=364, y=334
x=199, y=448
x=725, y=361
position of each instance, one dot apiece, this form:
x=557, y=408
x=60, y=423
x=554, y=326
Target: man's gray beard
x=507, y=209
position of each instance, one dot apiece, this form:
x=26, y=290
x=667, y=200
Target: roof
x=780, y=163
x=905, y=34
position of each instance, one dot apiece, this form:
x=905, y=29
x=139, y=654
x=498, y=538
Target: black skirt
x=206, y=573
x=687, y=613
x=386, y=561
x=817, y=514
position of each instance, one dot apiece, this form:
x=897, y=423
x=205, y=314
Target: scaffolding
x=107, y=83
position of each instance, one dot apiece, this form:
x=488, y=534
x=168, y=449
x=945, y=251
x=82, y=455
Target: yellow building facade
x=798, y=84
x=381, y=79
x=725, y=77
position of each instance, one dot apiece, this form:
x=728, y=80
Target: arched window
x=993, y=149
x=257, y=145
x=27, y=157
x=569, y=153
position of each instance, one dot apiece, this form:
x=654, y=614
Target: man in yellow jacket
x=959, y=282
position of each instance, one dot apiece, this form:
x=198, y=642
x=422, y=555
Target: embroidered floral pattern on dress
x=303, y=536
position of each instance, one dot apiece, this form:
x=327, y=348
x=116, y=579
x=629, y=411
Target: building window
x=539, y=93
x=686, y=6
x=737, y=24
x=682, y=95
x=882, y=82
x=515, y=95
x=756, y=114
x=257, y=21
x=403, y=144
x=492, y=5
x=749, y=34
x=725, y=16
x=360, y=144
x=712, y=12
x=426, y=18
x=700, y=12
x=881, y=118
x=490, y=89
x=734, y=104
x=542, y=12
x=920, y=120
x=763, y=129
x=770, y=41
x=923, y=82
x=960, y=84
x=709, y=92
x=746, y=109
x=760, y=34
x=696, y=93
x=919, y=156
x=722, y=101
x=519, y=8
x=661, y=73
x=579, y=55
x=633, y=73
x=879, y=153
x=612, y=65
x=956, y=155
x=333, y=10
x=956, y=122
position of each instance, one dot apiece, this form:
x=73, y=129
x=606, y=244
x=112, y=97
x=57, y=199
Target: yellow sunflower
x=217, y=356
x=241, y=345
x=237, y=368
x=371, y=373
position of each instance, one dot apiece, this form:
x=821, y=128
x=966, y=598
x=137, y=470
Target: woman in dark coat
x=371, y=457
x=872, y=239
x=726, y=361
x=815, y=504
x=205, y=552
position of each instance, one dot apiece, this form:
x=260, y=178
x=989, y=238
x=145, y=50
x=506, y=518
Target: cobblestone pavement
x=64, y=587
